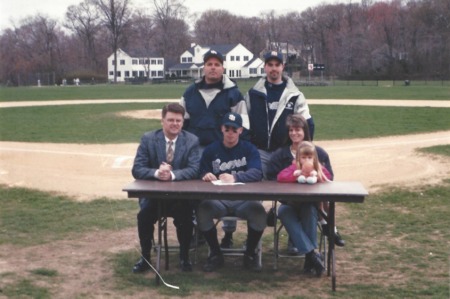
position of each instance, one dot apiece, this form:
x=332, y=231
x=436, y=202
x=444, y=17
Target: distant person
x=167, y=154
x=206, y=102
x=231, y=160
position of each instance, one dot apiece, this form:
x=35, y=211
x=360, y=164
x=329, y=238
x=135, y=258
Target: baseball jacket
x=204, y=120
x=292, y=101
x=242, y=161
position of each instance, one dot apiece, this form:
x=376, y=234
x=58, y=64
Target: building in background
x=134, y=66
x=239, y=62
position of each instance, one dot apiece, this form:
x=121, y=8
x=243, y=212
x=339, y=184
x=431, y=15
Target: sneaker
x=251, y=262
x=338, y=241
x=141, y=266
x=213, y=263
x=314, y=265
x=291, y=249
x=227, y=242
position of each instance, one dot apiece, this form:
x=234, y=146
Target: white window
x=160, y=61
x=127, y=74
x=134, y=61
x=245, y=58
x=231, y=58
x=122, y=61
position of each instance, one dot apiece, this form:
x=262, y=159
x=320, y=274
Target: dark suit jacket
x=152, y=152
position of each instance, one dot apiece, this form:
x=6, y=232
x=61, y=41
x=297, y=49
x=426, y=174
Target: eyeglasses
x=230, y=128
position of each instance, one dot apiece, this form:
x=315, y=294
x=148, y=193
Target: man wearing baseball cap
x=231, y=160
x=208, y=99
x=206, y=102
x=269, y=102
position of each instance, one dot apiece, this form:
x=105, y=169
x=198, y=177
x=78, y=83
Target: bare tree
x=142, y=37
x=172, y=31
x=215, y=27
x=115, y=16
x=83, y=20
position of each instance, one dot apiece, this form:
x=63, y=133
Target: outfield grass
x=175, y=91
x=99, y=123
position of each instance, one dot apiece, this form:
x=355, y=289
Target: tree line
x=367, y=40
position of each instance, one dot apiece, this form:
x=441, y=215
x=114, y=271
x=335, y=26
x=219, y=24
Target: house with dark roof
x=133, y=65
x=239, y=62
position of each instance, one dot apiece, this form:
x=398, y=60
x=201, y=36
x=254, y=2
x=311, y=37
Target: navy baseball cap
x=273, y=55
x=233, y=120
x=213, y=53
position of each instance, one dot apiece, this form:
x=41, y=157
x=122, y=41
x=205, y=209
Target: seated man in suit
x=167, y=154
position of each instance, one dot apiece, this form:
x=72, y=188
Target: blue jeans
x=300, y=221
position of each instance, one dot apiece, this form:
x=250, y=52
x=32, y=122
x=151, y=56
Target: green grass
x=30, y=217
x=25, y=289
x=175, y=91
x=437, y=150
x=98, y=123
x=404, y=235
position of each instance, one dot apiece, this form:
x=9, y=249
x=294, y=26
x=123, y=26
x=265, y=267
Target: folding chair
x=239, y=251
x=163, y=243
x=278, y=253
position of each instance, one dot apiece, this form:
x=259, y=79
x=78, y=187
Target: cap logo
x=274, y=53
x=213, y=52
x=232, y=117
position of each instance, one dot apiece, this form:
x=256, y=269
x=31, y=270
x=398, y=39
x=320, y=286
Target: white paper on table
x=220, y=183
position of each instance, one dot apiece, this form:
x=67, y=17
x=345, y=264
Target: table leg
x=158, y=245
x=332, y=257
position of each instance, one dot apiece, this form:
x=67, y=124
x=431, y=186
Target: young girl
x=306, y=167
x=300, y=219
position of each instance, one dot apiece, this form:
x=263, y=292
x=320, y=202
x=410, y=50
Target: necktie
x=169, y=154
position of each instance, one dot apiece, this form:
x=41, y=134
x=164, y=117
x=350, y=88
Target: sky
x=12, y=11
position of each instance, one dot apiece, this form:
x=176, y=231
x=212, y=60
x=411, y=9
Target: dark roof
x=185, y=66
x=140, y=53
x=223, y=49
x=251, y=61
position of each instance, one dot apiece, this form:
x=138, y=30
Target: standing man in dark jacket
x=167, y=154
x=206, y=103
x=208, y=100
x=231, y=160
x=269, y=102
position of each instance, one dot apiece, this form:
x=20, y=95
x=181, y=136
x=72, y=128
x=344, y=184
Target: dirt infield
x=91, y=171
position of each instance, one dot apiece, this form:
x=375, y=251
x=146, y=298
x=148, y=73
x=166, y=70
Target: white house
x=135, y=65
x=239, y=62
